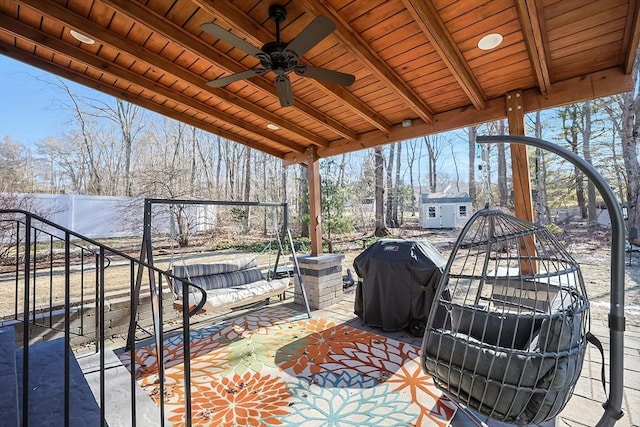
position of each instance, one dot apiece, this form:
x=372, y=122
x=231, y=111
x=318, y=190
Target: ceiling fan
x=281, y=57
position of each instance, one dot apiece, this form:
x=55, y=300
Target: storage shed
x=443, y=210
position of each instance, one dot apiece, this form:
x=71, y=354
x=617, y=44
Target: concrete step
x=9, y=414
x=46, y=385
x=118, y=392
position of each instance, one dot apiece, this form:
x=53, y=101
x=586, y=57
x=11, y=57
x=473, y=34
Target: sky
x=30, y=109
x=29, y=102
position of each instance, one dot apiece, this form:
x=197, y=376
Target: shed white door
x=447, y=216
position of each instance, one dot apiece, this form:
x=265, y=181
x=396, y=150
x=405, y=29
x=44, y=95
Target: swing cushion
x=228, y=283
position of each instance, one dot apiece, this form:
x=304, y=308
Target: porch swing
x=233, y=282
x=221, y=285
x=508, y=330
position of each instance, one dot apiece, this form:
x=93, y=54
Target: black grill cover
x=399, y=280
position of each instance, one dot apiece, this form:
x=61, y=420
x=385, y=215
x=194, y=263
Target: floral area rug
x=275, y=367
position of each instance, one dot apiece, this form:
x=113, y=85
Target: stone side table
x=322, y=278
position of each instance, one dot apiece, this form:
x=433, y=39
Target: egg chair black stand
x=513, y=315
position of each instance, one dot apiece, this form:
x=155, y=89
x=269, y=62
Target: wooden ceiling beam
x=34, y=61
x=30, y=34
x=534, y=40
x=631, y=37
x=258, y=35
x=170, y=30
x=427, y=18
x=379, y=67
x=577, y=89
x=73, y=20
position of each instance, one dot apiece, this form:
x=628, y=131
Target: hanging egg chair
x=507, y=331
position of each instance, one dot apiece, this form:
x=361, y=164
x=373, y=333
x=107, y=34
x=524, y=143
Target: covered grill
x=399, y=279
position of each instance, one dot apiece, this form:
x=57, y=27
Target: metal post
x=298, y=273
x=613, y=406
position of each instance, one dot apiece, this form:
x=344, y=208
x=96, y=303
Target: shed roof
x=445, y=198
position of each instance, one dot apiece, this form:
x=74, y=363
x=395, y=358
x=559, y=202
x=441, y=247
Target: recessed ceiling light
x=272, y=126
x=490, y=41
x=81, y=37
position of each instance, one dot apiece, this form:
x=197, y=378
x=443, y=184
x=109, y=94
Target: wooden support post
x=521, y=179
x=315, y=207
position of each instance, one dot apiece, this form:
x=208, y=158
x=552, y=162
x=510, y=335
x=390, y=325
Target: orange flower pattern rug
x=275, y=367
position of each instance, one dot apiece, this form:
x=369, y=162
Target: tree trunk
x=455, y=165
x=570, y=126
x=503, y=188
x=247, y=186
x=472, y=134
x=585, y=130
x=303, y=201
x=389, y=188
x=381, y=229
x=542, y=207
x=629, y=136
x=410, y=160
x=396, y=192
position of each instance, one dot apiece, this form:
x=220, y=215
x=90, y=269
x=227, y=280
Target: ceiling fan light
x=490, y=41
x=81, y=37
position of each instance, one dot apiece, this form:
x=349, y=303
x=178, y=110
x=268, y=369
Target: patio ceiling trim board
x=431, y=24
x=258, y=35
x=631, y=38
x=591, y=86
x=89, y=60
x=380, y=68
x=534, y=40
x=80, y=78
x=144, y=15
x=73, y=20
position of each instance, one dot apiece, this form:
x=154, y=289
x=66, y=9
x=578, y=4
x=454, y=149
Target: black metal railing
x=58, y=284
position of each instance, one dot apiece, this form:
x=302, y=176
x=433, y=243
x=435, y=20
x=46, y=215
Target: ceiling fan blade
x=232, y=39
x=223, y=81
x=285, y=92
x=313, y=33
x=325, y=75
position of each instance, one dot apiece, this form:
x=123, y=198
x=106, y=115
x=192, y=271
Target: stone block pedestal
x=322, y=278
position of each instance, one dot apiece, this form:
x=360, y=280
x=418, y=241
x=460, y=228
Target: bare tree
x=94, y=185
x=472, y=134
x=303, y=201
x=570, y=129
x=585, y=130
x=396, y=190
x=614, y=111
x=14, y=174
x=64, y=164
x=630, y=124
x=435, y=147
x=455, y=166
x=389, y=186
x=381, y=229
x=247, y=186
x=498, y=128
x=542, y=205
x=411, y=158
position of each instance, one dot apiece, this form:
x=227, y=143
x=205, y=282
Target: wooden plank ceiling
x=414, y=60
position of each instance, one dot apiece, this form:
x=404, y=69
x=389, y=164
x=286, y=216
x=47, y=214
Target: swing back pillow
x=229, y=283
x=223, y=274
